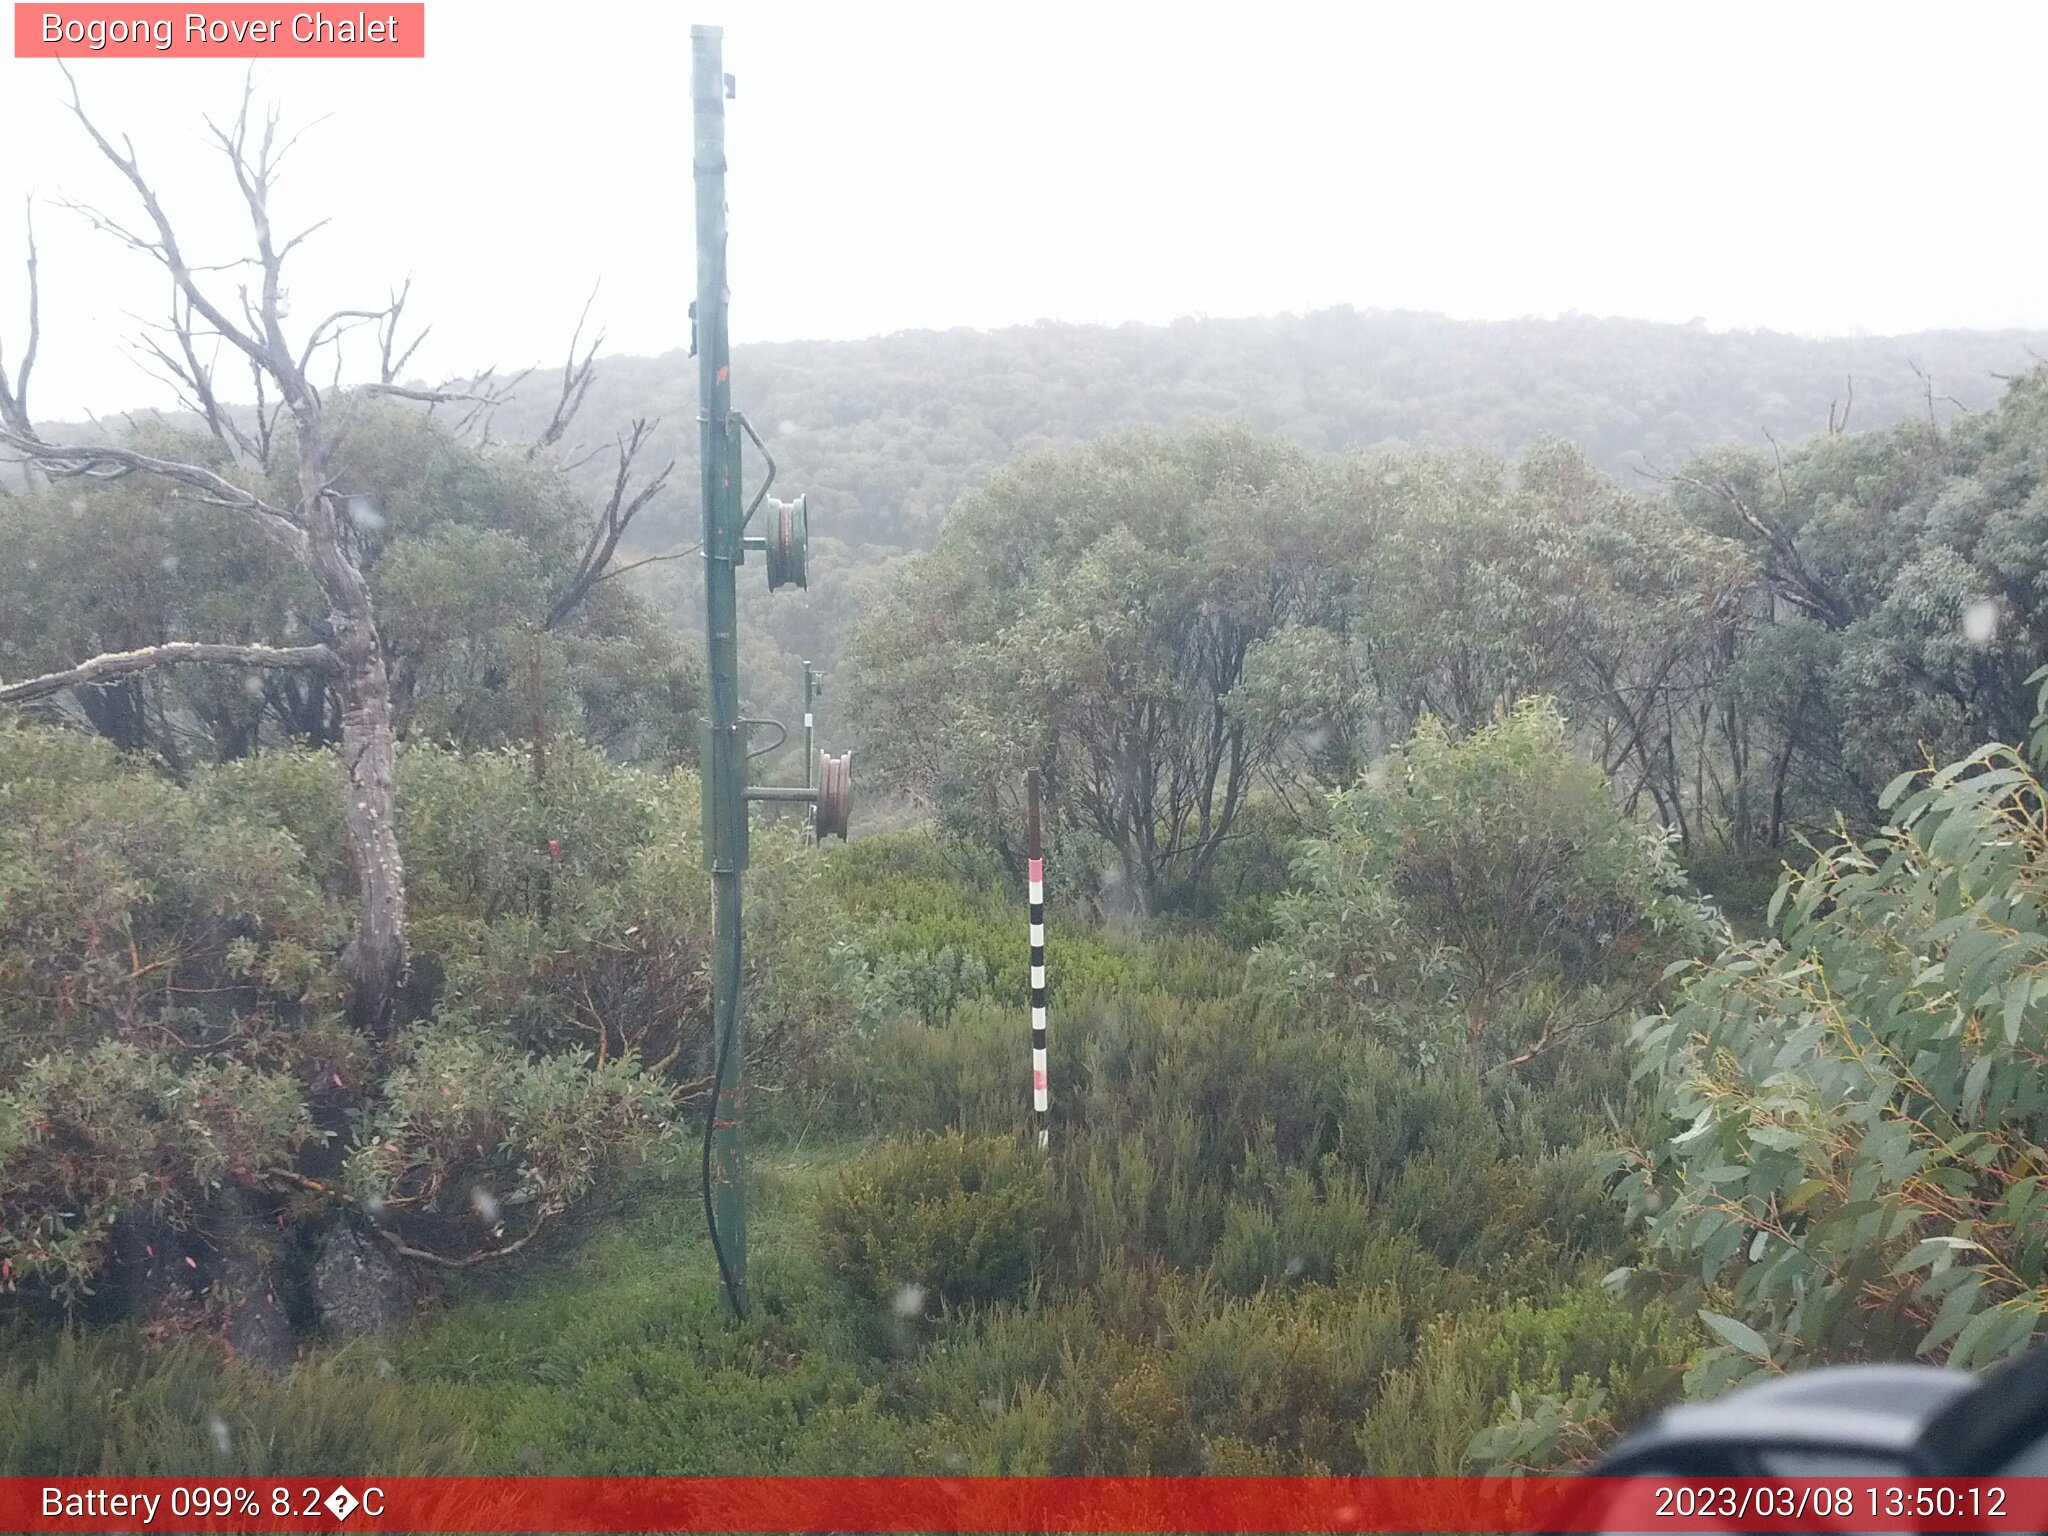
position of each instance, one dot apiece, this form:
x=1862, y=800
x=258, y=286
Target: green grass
x=620, y=1359
x=1275, y=1248
x=616, y=1358
x=107, y=1402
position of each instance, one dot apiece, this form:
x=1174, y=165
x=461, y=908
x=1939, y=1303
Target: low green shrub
x=93, y=1137
x=1303, y=1231
x=948, y=1219
x=1482, y=897
x=1291, y=1373
x=468, y=1132
x=99, y=1404
x=175, y=1062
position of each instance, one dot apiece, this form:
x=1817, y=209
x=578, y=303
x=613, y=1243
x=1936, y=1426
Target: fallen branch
x=469, y=1261
x=115, y=664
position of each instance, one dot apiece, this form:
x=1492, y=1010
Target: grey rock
x=357, y=1287
x=258, y=1328
x=246, y=1281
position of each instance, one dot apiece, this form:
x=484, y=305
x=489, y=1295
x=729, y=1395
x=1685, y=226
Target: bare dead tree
x=577, y=374
x=611, y=523
x=1837, y=425
x=1927, y=387
x=105, y=668
x=1796, y=584
x=313, y=525
x=14, y=394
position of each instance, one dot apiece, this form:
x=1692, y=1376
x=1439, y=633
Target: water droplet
x=1313, y=740
x=1295, y=1265
x=217, y=1432
x=485, y=1204
x=908, y=1300
x=362, y=511
x=1980, y=621
x=374, y=1204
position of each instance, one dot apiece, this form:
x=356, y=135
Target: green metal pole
x=724, y=754
x=810, y=753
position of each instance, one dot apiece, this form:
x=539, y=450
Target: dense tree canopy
x=1907, y=579
x=466, y=550
x=1146, y=620
x=887, y=433
x=1160, y=621
x=1358, y=630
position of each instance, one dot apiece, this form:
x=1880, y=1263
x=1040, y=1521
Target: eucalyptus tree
x=1486, y=583
x=1482, y=896
x=1854, y=1105
x=1144, y=619
x=268, y=489
x=1911, y=566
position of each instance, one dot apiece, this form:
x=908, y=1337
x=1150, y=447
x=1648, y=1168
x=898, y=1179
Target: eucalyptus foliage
x=1859, y=1104
x=175, y=1062
x=1145, y=620
x=1482, y=897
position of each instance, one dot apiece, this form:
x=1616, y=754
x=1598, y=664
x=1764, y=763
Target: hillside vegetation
x=1528, y=940
x=886, y=433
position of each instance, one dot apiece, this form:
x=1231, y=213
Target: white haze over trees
x=904, y=166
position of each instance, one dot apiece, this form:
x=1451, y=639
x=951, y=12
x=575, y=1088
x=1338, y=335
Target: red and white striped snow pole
x=1041, y=1089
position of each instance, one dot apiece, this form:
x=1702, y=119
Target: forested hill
x=885, y=432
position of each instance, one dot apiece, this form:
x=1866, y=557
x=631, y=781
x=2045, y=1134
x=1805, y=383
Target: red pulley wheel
x=835, y=794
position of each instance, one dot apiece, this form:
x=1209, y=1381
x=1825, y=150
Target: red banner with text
x=1002, y=1504
x=232, y=31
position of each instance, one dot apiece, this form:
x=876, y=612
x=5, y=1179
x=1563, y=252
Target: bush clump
x=85, y=1404
x=949, y=1218
x=1482, y=896
x=177, y=1072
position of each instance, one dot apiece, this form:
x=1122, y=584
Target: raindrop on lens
x=908, y=1300
x=364, y=514
x=217, y=1432
x=1980, y=621
x=485, y=1204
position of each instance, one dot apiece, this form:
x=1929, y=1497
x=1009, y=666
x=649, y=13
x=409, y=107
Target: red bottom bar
x=1021, y=1504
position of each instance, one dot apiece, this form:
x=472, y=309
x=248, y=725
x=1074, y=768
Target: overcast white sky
x=1809, y=167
